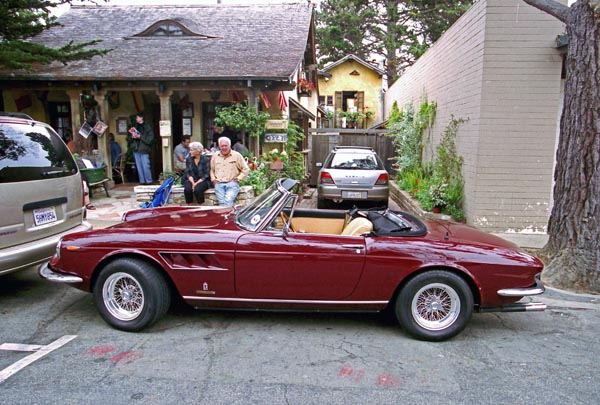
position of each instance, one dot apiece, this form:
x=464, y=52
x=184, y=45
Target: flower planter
x=276, y=165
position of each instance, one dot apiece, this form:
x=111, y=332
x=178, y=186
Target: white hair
x=224, y=138
x=197, y=146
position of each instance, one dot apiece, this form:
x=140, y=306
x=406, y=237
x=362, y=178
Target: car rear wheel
x=131, y=295
x=435, y=305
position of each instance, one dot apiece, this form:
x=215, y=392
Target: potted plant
x=438, y=195
x=352, y=118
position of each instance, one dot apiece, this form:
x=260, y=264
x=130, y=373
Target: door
x=300, y=266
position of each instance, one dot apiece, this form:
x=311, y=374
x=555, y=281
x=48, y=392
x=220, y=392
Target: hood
x=189, y=217
x=455, y=232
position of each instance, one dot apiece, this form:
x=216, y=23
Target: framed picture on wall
x=122, y=126
x=188, y=112
x=187, y=126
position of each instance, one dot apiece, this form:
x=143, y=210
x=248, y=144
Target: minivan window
x=32, y=152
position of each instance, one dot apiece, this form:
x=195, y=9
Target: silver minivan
x=41, y=193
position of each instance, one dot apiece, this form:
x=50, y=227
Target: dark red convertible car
x=431, y=274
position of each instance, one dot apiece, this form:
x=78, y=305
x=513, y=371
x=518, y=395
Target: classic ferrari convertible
x=270, y=254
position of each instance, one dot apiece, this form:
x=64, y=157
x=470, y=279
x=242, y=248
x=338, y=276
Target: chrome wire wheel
x=123, y=296
x=435, y=306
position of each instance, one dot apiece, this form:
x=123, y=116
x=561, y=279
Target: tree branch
x=551, y=7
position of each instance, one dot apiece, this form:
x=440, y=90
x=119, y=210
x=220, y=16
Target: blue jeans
x=142, y=162
x=227, y=192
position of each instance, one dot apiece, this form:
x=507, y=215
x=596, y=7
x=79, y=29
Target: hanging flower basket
x=305, y=87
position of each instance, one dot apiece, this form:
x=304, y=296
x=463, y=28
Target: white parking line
x=40, y=351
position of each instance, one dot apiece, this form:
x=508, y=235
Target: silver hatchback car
x=41, y=193
x=352, y=173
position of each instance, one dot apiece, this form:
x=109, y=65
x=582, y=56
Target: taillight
x=326, y=178
x=382, y=180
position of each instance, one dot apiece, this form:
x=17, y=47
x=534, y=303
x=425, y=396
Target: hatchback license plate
x=358, y=195
x=43, y=216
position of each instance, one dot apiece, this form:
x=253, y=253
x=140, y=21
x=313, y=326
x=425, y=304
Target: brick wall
x=497, y=67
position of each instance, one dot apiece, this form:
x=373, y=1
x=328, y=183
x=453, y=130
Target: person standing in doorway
x=143, y=137
x=227, y=169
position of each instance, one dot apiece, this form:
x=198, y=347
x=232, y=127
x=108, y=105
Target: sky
x=62, y=9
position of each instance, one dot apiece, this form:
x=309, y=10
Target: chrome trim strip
x=191, y=297
x=518, y=307
x=524, y=292
x=45, y=272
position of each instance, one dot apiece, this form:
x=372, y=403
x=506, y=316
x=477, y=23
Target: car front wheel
x=435, y=305
x=131, y=295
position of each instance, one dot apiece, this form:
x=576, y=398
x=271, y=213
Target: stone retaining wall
x=145, y=193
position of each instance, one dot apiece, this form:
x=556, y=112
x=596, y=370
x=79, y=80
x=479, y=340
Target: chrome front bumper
x=45, y=272
x=525, y=292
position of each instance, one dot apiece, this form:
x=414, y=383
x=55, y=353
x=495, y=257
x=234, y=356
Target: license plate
x=43, y=216
x=357, y=195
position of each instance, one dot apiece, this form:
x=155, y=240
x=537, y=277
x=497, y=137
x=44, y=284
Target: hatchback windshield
x=32, y=152
x=356, y=161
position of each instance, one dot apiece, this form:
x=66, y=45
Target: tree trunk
x=573, y=247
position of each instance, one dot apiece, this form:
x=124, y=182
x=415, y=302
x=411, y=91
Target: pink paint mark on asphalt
x=348, y=371
x=387, y=380
x=101, y=350
x=126, y=357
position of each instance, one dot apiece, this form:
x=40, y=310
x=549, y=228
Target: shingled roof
x=229, y=42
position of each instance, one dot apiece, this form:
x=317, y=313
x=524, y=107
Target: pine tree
x=396, y=31
x=24, y=19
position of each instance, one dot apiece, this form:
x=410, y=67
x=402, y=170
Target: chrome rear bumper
x=521, y=292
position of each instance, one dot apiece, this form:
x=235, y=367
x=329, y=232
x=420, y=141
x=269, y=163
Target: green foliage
x=436, y=184
x=407, y=128
x=448, y=163
x=242, y=117
x=262, y=176
x=22, y=20
x=395, y=115
x=397, y=31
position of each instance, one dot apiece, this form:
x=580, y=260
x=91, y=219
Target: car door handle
x=357, y=247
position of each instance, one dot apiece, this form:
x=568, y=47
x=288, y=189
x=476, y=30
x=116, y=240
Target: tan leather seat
x=357, y=227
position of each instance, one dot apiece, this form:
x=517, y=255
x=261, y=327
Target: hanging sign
x=281, y=137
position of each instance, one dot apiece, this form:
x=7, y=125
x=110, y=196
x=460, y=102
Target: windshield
x=355, y=161
x=253, y=214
